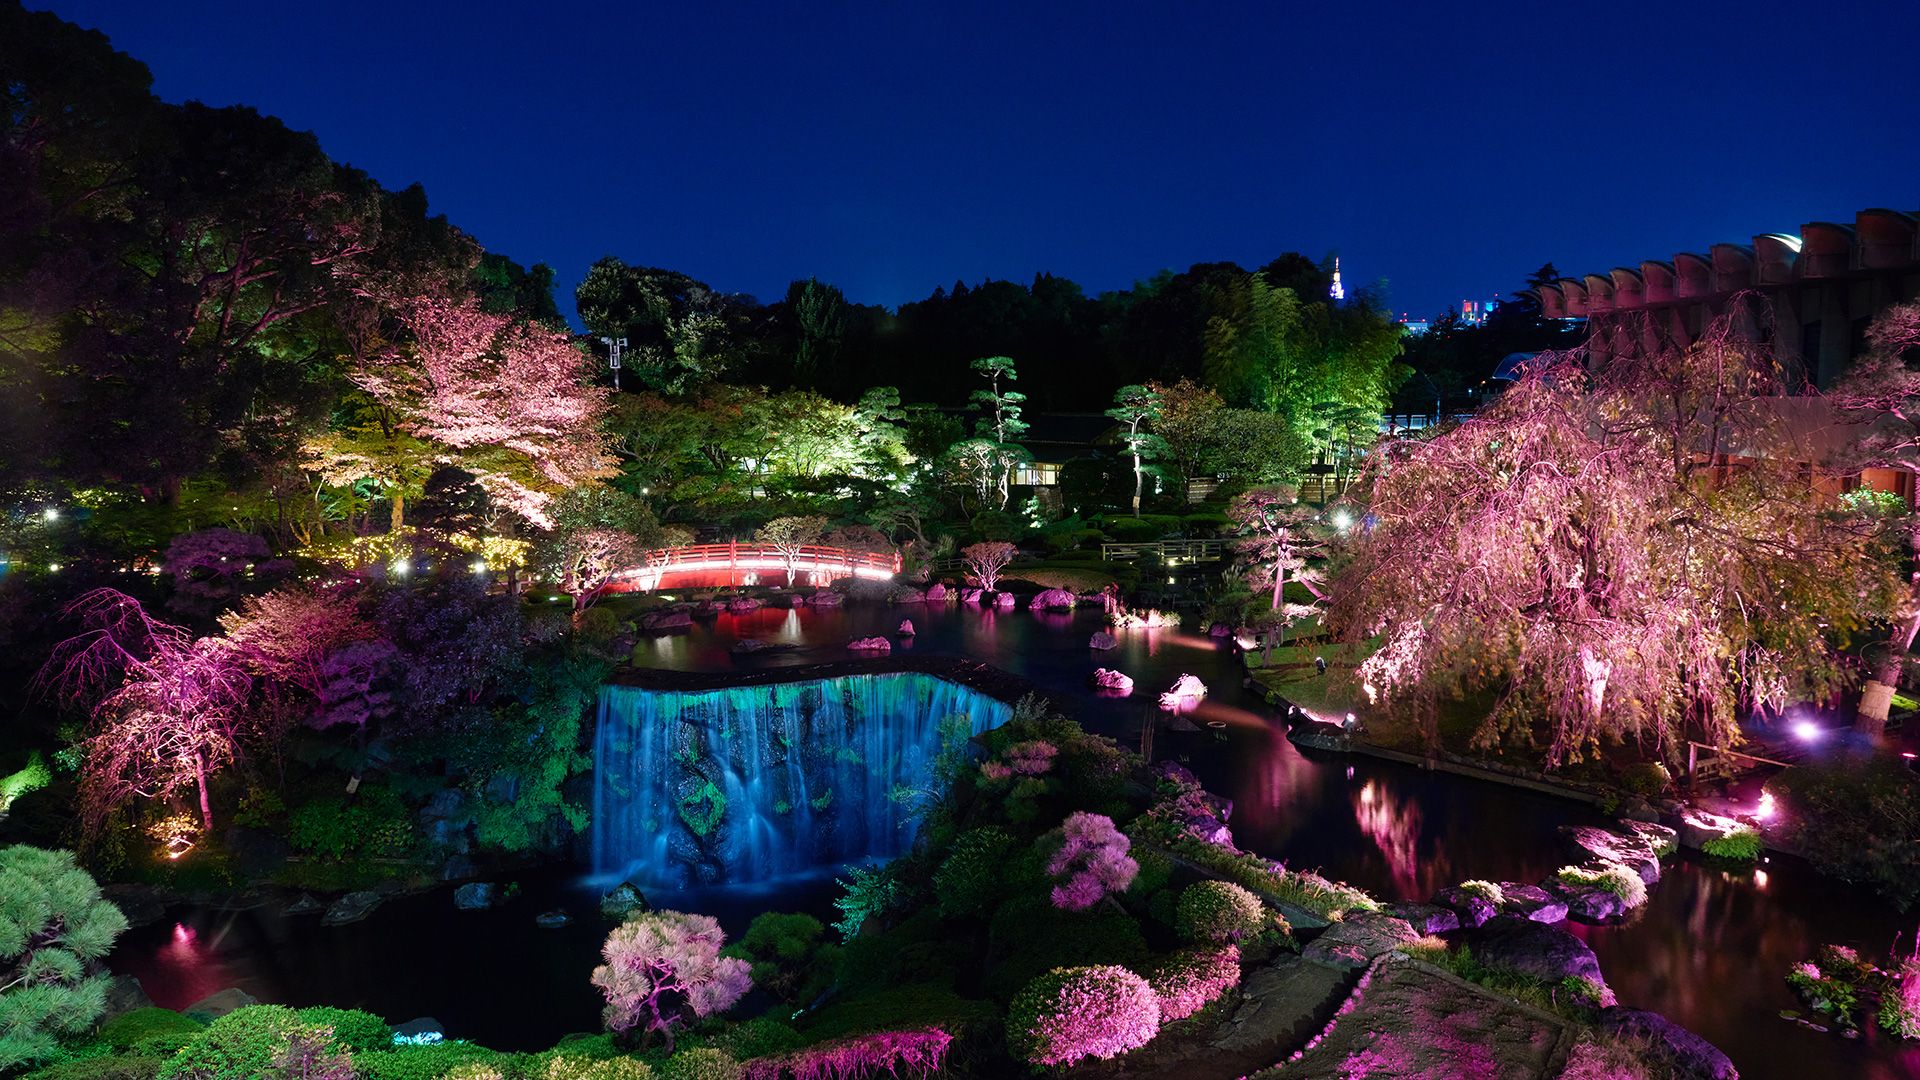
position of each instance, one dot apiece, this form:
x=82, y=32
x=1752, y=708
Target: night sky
x=893, y=147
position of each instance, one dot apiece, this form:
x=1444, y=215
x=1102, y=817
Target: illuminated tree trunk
x=1876, y=697
x=206, y=804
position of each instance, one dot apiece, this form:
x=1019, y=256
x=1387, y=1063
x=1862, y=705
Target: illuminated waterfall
x=748, y=783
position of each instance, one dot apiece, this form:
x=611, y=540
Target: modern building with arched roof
x=1809, y=295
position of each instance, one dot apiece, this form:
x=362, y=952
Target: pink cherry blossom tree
x=985, y=560
x=664, y=969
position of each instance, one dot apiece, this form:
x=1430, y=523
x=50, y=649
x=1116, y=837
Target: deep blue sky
x=893, y=147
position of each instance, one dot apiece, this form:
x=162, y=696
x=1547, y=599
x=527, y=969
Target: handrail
x=820, y=562
x=1166, y=549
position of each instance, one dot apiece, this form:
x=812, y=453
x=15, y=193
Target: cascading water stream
x=749, y=783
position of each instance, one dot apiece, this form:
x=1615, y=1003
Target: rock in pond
x=220, y=1003
x=741, y=605
x=1186, y=692
x=906, y=628
x=625, y=901
x=870, y=644
x=1606, y=845
x=1472, y=908
x=1693, y=1053
x=660, y=621
x=1427, y=918
x=1533, y=902
x=970, y=595
x=905, y=594
x=124, y=994
x=552, y=920
x=476, y=896
x=826, y=598
x=1587, y=903
x=748, y=645
x=1102, y=640
x=352, y=907
x=1219, y=630
x=938, y=594
x=304, y=904
x=1520, y=945
x=1353, y=942
x=1053, y=600
x=1108, y=681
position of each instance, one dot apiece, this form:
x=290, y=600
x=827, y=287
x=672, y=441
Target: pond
x=1709, y=950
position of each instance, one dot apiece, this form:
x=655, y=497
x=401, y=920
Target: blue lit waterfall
x=749, y=783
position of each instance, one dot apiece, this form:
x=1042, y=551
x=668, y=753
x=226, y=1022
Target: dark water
x=1709, y=949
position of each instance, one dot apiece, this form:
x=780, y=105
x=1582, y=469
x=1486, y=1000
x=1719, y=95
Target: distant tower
x=1338, y=291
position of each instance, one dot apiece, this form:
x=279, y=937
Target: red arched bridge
x=735, y=563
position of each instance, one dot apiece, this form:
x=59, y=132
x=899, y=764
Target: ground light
x=1807, y=731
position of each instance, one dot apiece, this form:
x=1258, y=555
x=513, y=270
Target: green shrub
x=1028, y=937
x=1740, y=845
x=701, y=1063
x=995, y=525
x=758, y=1037
x=1855, y=820
x=973, y=878
x=117, y=1067
x=790, y=960
x=573, y=1067
x=375, y=824
x=130, y=1029
x=1218, y=913
x=1070, y=1014
x=352, y=1028
x=1128, y=530
x=238, y=1046
x=430, y=1062
x=893, y=1008
x=1155, y=873
x=1614, y=878
x=1489, y=891
x=1645, y=778
x=1203, y=525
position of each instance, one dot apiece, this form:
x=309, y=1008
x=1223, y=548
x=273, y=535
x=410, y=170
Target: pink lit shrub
x=663, y=969
x=1091, y=864
x=1070, y=1014
x=1033, y=758
x=1193, y=979
x=1218, y=913
x=1900, y=1005
x=896, y=1053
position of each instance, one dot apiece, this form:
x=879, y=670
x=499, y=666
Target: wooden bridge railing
x=748, y=563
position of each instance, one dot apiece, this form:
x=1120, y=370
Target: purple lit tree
x=985, y=561
x=1639, y=552
x=663, y=970
x=1091, y=863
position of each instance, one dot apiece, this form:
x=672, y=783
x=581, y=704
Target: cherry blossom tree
x=1883, y=393
x=664, y=969
x=286, y=636
x=985, y=561
x=789, y=536
x=166, y=708
x=1639, y=552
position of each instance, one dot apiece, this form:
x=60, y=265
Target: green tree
x=819, y=314
x=54, y=931
x=789, y=536
x=1134, y=406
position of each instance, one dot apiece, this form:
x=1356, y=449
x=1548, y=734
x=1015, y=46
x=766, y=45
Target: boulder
x=352, y=907
x=658, y=621
x=1533, y=902
x=625, y=901
x=552, y=920
x=785, y=600
x=970, y=595
x=1102, y=641
x=1587, y=903
x=906, y=628
x=1691, y=1052
x=741, y=605
x=1004, y=600
x=1353, y=942
x=1219, y=630
x=123, y=995
x=1053, y=600
x=709, y=609
x=826, y=598
x=420, y=1030
x=1472, y=908
x=1663, y=840
x=1520, y=945
x=1106, y=680
x=938, y=594
x=1186, y=692
x=1427, y=918
x=870, y=644
x=748, y=645
x=905, y=594
x=1174, y=773
x=220, y=1003
x=143, y=905
x=476, y=896
x=1608, y=846
x=304, y=904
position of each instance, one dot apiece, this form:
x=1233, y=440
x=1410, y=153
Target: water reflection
x=1393, y=824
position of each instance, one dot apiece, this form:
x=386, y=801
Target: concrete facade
x=1809, y=296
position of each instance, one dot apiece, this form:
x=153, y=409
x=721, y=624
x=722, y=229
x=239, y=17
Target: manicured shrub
x=1489, y=891
x=664, y=969
x=352, y=1028
x=789, y=956
x=1740, y=845
x=117, y=1067
x=1070, y=1014
x=130, y=1029
x=1218, y=913
x=973, y=876
x=1645, y=778
x=1614, y=878
x=569, y=1067
x=1029, y=937
x=1156, y=873
x=431, y=1062
x=758, y=1037
x=242, y=1045
x=701, y=1063
x=1192, y=979
x=901, y=1007
x=1128, y=530
x=474, y=1070
x=893, y=1053
x=1091, y=862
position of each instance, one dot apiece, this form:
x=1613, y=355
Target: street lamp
x=614, y=345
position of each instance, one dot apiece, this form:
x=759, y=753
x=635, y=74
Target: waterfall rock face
x=750, y=783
